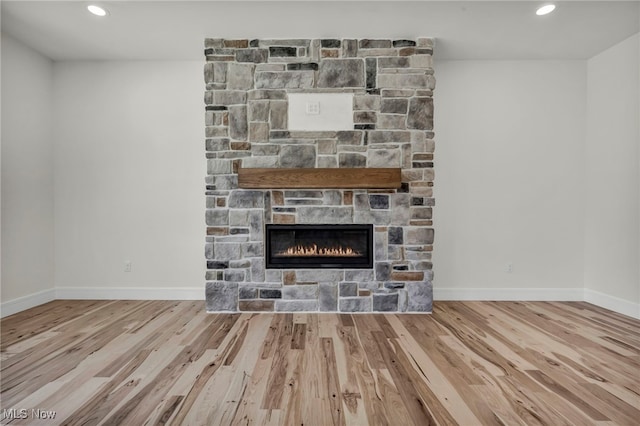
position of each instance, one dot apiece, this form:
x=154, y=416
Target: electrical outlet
x=127, y=266
x=509, y=268
x=313, y=108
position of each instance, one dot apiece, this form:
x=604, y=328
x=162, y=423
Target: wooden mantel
x=322, y=178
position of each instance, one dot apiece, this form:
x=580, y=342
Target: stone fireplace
x=248, y=84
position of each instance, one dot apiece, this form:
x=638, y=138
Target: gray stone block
x=348, y=289
x=284, y=80
x=394, y=105
x=229, y=97
x=238, y=122
x=296, y=305
x=302, y=194
x=414, y=235
x=334, y=73
x=352, y=160
x=220, y=72
x=239, y=264
x=389, y=136
x=208, y=251
x=265, y=161
x=402, y=300
x=395, y=252
x=379, y=217
x=257, y=270
x=384, y=157
x=374, y=44
x=355, y=304
x=332, y=198
x=419, y=296
x=349, y=48
x=319, y=275
x=224, y=182
x=240, y=199
x=221, y=296
x=278, y=117
x=270, y=293
x=403, y=81
x=252, y=249
x=395, y=235
x=217, y=217
x=391, y=122
x=325, y=161
x=380, y=249
x=216, y=131
x=296, y=156
x=258, y=132
x=252, y=55
x=256, y=227
x=366, y=102
x=273, y=276
x=238, y=217
x=385, y=302
x=308, y=291
x=217, y=144
x=393, y=62
x=264, y=149
x=319, y=215
x=383, y=271
x=379, y=201
x=421, y=213
x=247, y=292
x=358, y=275
x=420, y=114
x=234, y=275
x=350, y=137
x=258, y=110
x=227, y=251
x=328, y=297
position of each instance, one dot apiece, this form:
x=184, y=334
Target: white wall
x=27, y=177
x=509, y=179
x=129, y=179
x=612, y=235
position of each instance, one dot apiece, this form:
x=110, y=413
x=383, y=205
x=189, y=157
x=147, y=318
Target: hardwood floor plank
x=469, y=363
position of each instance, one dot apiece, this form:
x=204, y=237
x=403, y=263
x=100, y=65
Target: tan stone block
x=407, y=276
x=240, y=146
x=215, y=230
x=289, y=277
x=277, y=198
x=421, y=223
x=348, y=198
x=256, y=305
x=330, y=53
x=364, y=292
x=284, y=218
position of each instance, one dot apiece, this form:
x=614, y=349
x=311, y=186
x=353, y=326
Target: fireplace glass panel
x=319, y=246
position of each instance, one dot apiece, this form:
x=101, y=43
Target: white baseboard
x=510, y=294
x=197, y=293
x=26, y=302
x=131, y=293
x=612, y=303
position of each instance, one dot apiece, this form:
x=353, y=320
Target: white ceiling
x=175, y=30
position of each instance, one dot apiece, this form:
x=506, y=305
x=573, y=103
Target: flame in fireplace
x=314, y=250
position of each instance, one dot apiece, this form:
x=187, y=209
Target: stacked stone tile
x=247, y=84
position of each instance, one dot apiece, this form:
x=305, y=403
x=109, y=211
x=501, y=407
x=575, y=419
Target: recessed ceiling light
x=97, y=10
x=547, y=8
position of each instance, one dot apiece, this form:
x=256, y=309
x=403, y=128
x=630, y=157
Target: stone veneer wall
x=247, y=84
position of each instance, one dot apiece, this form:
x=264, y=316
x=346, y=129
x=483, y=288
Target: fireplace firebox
x=319, y=246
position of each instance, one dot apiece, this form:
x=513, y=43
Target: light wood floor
x=470, y=363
